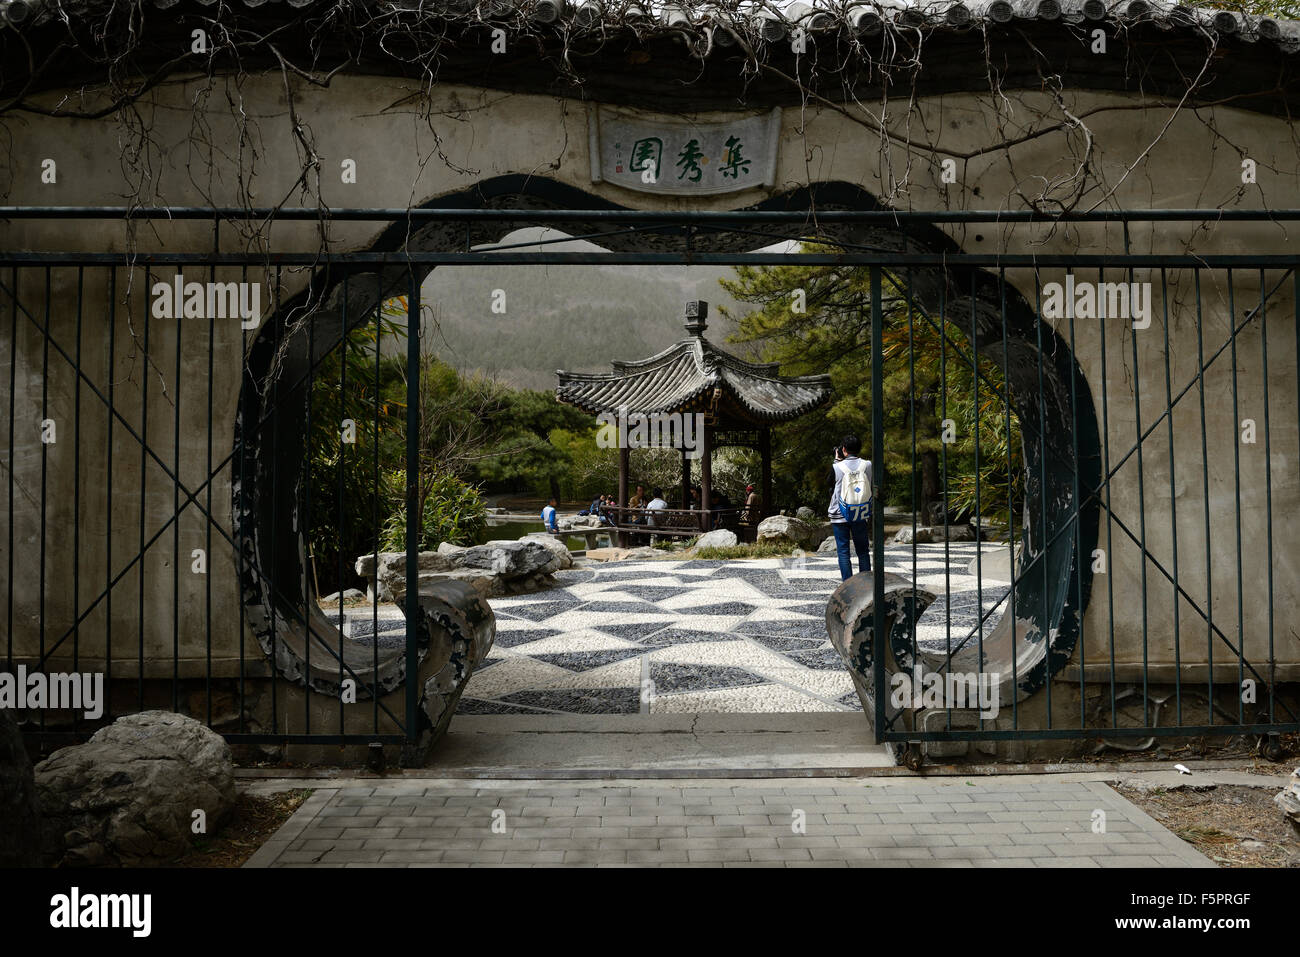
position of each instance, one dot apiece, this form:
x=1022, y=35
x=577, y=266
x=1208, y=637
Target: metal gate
x=194, y=576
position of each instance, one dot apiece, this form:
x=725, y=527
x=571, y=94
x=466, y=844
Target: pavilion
x=738, y=402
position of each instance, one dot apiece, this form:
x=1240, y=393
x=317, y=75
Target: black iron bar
x=1173, y=505
x=879, y=640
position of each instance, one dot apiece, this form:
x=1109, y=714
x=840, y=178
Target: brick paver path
x=1011, y=821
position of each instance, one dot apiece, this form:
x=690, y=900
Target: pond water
x=514, y=530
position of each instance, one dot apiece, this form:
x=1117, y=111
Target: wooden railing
x=680, y=521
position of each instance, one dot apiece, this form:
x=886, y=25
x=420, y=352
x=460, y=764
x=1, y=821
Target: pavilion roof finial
x=697, y=315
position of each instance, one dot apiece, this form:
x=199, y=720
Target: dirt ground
x=1233, y=826
x=253, y=822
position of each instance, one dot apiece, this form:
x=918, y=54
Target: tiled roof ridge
x=726, y=23
x=714, y=368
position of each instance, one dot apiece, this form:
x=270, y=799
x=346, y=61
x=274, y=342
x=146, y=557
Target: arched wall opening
x=1047, y=390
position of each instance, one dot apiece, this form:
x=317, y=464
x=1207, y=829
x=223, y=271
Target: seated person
x=550, y=517
x=655, y=504
x=637, y=502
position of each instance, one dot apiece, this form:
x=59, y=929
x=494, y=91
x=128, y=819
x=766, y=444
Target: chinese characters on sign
x=680, y=157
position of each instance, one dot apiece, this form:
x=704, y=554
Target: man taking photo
x=850, y=508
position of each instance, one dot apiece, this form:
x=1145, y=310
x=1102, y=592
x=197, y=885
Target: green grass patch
x=756, y=550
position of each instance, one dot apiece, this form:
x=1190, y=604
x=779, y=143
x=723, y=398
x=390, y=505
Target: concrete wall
x=1139, y=159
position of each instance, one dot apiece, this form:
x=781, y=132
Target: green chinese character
x=646, y=154
x=733, y=163
x=689, y=161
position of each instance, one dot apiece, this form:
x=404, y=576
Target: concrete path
x=1009, y=821
x=646, y=745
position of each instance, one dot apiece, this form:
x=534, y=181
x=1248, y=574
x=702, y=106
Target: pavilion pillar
x=686, y=479
x=624, y=461
x=706, y=478
x=765, y=483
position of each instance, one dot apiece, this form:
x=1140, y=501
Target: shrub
x=453, y=512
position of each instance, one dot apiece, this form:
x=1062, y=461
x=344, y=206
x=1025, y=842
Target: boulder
x=805, y=514
x=128, y=796
x=927, y=534
x=387, y=578
x=818, y=533
x=554, y=546
x=786, y=530
x=575, y=523
x=493, y=569
x=908, y=535
x=20, y=829
x=616, y=554
x=510, y=559
x=827, y=547
x=782, y=528
x=450, y=552
x=718, y=538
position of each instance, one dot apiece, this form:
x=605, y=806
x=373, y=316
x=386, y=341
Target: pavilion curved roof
x=684, y=376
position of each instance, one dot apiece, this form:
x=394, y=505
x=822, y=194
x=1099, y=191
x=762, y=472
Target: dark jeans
x=857, y=533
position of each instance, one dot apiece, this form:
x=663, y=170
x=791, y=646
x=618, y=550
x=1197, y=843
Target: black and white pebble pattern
x=696, y=636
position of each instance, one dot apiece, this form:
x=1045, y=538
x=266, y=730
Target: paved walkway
x=1011, y=821
x=691, y=637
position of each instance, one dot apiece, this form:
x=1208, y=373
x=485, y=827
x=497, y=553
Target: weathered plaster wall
x=472, y=135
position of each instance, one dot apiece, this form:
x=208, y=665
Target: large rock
x=20, y=830
x=805, y=514
x=554, y=546
x=792, y=531
x=128, y=796
x=926, y=534
x=510, y=559
x=616, y=554
x=451, y=552
x=827, y=547
x=387, y=577
x=573, y=523
x=718, y=538
x=493, y=569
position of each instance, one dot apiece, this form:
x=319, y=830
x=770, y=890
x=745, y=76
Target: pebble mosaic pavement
x=688, y=636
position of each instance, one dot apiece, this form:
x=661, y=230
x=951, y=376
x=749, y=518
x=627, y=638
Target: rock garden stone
x=493, y=569
x=718, y=538
x=792, y=531
x=128, y=796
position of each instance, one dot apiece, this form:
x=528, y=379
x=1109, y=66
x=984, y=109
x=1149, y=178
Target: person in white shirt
x=656, y=504
x=549, y=516
x=850, y=521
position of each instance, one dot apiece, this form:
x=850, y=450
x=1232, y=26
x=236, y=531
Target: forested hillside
x=563, y=317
